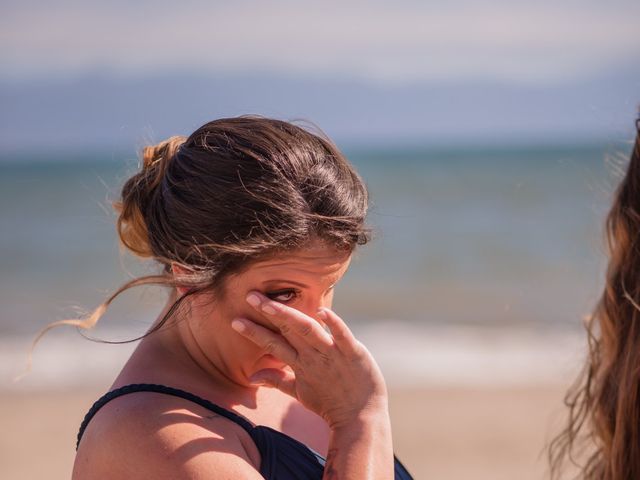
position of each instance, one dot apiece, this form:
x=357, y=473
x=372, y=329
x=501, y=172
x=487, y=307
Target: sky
x=381, y=45
x=400, y=41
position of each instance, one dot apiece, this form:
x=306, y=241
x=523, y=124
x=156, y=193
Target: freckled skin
x=341, y=411
x=201, y=353
x=312, y=272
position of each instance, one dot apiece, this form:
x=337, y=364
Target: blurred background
x=491, y=135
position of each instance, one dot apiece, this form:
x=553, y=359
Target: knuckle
x=359, y=350
x=338, y=336
x=270, y=347
x=305, y=330
x=325, y=359
x=299, y=370
x=284, y=328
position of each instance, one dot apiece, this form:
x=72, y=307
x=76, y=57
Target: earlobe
x=180, y=272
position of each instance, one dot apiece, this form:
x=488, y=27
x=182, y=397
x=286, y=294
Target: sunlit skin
x=201, y=352
x=271, y=349
x=304, y=280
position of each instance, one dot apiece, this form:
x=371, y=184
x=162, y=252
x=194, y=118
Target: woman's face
x=303, y=279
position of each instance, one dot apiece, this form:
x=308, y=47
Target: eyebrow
x=302, y=285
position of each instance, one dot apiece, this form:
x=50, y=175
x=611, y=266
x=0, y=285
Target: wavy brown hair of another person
x=602, y=437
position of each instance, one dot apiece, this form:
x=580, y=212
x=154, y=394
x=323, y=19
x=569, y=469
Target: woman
x=247, y=373
x=604, y=405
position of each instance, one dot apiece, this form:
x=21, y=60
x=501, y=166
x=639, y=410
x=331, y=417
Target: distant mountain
x=112, y=112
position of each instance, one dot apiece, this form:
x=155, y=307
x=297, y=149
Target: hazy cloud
x=528, y=42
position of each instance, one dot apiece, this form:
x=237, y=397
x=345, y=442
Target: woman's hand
x=332, y=374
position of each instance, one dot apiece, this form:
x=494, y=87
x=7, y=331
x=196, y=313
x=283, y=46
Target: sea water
x=490, y=255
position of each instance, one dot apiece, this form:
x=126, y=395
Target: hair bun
x=138, y=192
x=162, y=153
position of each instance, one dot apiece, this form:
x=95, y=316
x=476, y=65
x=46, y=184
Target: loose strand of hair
x=91, y=320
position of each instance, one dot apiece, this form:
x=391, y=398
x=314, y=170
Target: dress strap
x=150, y=387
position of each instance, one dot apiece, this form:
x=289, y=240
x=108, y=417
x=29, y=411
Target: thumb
x=283, y=380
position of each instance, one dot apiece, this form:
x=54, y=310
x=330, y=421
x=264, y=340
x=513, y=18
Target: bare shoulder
x=150, y=435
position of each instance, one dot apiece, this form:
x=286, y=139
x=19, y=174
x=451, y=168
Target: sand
x=476, y=433
x=439, y=432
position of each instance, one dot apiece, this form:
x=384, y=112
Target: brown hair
x=604, y=403
x=237, y=190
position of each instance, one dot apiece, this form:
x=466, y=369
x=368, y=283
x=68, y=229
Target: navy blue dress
x=283, y=457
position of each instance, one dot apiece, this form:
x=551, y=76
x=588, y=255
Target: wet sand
x=451, y=433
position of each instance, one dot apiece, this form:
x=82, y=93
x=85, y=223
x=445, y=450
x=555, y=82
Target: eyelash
x=288, y=291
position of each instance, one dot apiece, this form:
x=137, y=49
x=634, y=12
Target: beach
x=490, y=140
x=471, y=298
x=439, y=432
x=464, y=403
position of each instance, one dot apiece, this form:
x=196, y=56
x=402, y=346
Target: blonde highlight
x=235, y=191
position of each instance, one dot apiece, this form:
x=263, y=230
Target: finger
x=300, y=329
x=271, y=343
x=283, y=380
x=342, y=335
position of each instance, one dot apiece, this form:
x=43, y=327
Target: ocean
x=489, y=250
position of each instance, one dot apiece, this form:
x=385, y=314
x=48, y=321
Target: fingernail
x=257, y=381
x=322, y=313
x=253, y=300
x=238, y=325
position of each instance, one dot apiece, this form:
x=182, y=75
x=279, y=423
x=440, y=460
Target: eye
x=283, y=296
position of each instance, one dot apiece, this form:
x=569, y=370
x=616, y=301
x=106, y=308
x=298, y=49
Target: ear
x=180, y=271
